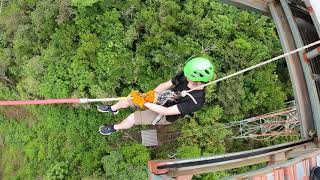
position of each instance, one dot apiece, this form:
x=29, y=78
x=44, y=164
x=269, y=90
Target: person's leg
x=144, y=117
x=114, y=108
x=126, y=123
x=137, y=118
x=121, y=105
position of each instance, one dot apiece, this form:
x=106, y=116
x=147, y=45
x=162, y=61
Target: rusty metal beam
x=259, y=6
x=268, y=157
x=306, y=67
x=313, y=7
x=295, y=69
x=309, y=156
x=184, y=167
x=222, y=166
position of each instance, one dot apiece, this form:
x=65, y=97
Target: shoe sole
x=116, y=112
x=103, y=133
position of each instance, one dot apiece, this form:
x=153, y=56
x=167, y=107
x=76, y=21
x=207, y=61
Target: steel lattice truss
x=268, y=125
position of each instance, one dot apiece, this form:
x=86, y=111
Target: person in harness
x=196, y=72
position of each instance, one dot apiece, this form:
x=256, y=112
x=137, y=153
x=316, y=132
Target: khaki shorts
x=147, y=116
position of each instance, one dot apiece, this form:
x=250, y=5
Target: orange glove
x=137, y=99
x=150, y=96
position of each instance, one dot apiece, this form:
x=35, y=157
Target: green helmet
x=199, y=69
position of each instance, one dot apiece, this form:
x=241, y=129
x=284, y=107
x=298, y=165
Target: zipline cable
x=184, y=93
x=59, y=101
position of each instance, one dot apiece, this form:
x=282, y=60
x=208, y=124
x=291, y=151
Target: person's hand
x=176, y=95
x=137, y=99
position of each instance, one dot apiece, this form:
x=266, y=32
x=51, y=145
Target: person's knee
x=124, y=103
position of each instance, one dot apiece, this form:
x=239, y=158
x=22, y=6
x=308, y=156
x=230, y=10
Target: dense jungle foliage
x=106, y=48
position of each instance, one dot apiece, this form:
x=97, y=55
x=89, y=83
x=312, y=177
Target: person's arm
x=172, y=110
x=164, y=86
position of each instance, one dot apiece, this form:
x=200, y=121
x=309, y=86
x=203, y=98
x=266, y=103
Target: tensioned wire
x=183, y=93
x=253, y=67
x=223, y=126
x=205, y=130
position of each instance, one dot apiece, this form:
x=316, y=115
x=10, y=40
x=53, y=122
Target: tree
x=127, y=164
x=96, y=48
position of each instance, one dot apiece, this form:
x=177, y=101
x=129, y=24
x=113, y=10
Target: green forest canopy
x=100, y=48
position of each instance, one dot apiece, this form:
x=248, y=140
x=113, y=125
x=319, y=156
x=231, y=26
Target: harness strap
x=156, y=120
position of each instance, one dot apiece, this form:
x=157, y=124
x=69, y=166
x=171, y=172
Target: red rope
x=47, y=101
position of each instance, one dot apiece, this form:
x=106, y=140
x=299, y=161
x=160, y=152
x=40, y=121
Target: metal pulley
x=163, y=97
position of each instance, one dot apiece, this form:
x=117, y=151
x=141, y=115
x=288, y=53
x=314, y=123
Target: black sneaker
x=106, y=130
x=105, y=108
